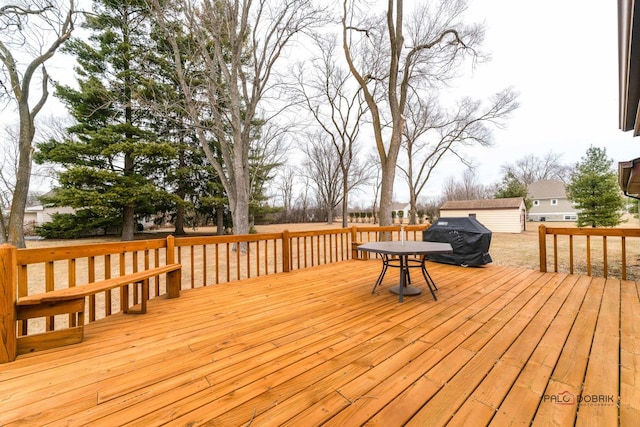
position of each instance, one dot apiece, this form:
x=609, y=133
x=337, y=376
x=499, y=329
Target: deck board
x=630, y=354
x=314, y=347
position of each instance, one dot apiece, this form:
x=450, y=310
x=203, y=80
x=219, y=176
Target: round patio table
x=396, y=254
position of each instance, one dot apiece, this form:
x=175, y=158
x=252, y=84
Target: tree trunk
x=179, y=226
x=239, y=196
x=23, y=178
x=128, y=223
x=4, y=232
x=345, y=200
x=240, y=204
x=389, y=175
x=128, y=210
x=240, y=213
x=220, y=220
x=413, y=211
x=386, y=198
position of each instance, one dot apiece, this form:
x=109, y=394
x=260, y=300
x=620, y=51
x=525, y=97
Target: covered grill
x=468, y=237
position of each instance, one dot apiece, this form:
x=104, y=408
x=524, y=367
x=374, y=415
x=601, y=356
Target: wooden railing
x=374, y=234
x=592, y=251
x=212, y=260
x=45, y=269
x=208, y=260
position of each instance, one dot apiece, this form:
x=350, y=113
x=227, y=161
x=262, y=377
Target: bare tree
x=236, y=45
x=431, y=207
x=285, y=186
x=35, y=29
x=322, y=168
x=388, y=67
x=302, y=203
x=532, y=168
x=327, y=90
x=467, y=188
x=9, y=166
x=433, y=133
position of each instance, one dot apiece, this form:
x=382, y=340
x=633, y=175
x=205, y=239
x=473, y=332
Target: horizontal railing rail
x=592, y=251
x=374, y=234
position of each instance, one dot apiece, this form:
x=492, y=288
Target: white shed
x=498, y=215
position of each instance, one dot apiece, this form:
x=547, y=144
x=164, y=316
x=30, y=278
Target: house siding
x=38, y=215
x=544, y=192
x=545, y=211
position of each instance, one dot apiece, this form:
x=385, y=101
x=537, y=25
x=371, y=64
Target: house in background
x=498, y=215
x=39, y=214
x=404, y=207
x=550, y=202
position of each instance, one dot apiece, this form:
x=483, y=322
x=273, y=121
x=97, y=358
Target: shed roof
x=506, y=203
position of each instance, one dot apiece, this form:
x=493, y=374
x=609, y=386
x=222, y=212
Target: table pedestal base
x=408, y=290
x=402, y=250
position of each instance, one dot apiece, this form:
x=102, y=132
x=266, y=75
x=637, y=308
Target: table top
x=409, y=247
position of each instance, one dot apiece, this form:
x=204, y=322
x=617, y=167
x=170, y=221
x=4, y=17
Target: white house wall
x=496, y=220
x=38, y=215
x=563, y=210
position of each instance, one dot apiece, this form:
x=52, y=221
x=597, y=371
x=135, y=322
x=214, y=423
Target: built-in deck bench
x=72, y=301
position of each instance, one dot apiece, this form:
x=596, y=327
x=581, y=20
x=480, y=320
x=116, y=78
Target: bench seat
x=96, y=287
x=72, y=301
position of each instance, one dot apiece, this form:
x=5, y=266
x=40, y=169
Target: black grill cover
x=469, y=239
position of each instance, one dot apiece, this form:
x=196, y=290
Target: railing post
x=8, y=316
x=171, y=249
x=542, y=247
x=286, y=251
x=174, y=278
x=354, y=242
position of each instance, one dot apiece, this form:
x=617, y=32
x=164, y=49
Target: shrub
x=71, y=226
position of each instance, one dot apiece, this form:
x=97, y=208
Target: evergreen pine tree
x=113, y=159
x=593, y=188
x=512, y=187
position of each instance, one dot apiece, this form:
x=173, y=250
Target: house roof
x=629, y=88
x=629, y=65
x=506, y=203
x=397, y=206
x=547, y=189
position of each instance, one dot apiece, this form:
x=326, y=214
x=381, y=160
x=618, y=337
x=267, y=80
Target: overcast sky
x=561, y=56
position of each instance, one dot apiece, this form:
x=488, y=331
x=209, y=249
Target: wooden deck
x=500, y=346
